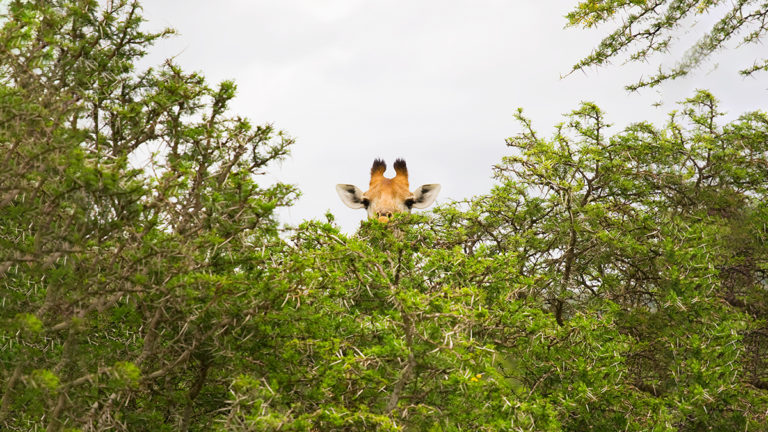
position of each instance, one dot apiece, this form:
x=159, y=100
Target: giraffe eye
x=409, y=202
x=366, y=202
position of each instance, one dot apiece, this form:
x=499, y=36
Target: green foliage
x=649, y=27
x=633, y=236
x=607, y=282
x=131, y=216
x=45, y=379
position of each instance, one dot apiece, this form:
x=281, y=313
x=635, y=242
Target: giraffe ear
x=351, y=195
x=425, y=195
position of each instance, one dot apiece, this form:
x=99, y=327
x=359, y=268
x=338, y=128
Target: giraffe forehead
x=385, y=188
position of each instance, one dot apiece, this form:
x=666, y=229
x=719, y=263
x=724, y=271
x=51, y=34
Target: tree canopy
x=611, y=280
x=645, y=28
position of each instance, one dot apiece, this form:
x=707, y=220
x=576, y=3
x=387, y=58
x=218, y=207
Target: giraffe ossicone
x=387, y=196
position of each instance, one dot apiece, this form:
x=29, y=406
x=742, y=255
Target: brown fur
x=400, y=169
x=378, y=168
x=388, y=195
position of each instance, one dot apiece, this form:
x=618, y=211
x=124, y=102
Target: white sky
x=436, y=82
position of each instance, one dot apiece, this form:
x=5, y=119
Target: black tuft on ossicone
x=378, y=167
x=400, y=167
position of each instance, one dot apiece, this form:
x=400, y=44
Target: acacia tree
x=130, y=221
x=646, y=28
x=657, y=234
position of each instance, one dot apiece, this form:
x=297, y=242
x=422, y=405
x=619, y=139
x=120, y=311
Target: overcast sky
x=436, y=82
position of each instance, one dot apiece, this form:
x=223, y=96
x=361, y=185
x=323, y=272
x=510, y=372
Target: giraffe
x=386, y=196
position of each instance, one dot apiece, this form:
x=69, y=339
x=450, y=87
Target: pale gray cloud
x=435, y=82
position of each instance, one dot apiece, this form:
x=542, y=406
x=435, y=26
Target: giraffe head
x=387, y=196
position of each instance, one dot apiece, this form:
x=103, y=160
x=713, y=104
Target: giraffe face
x=387, y=196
